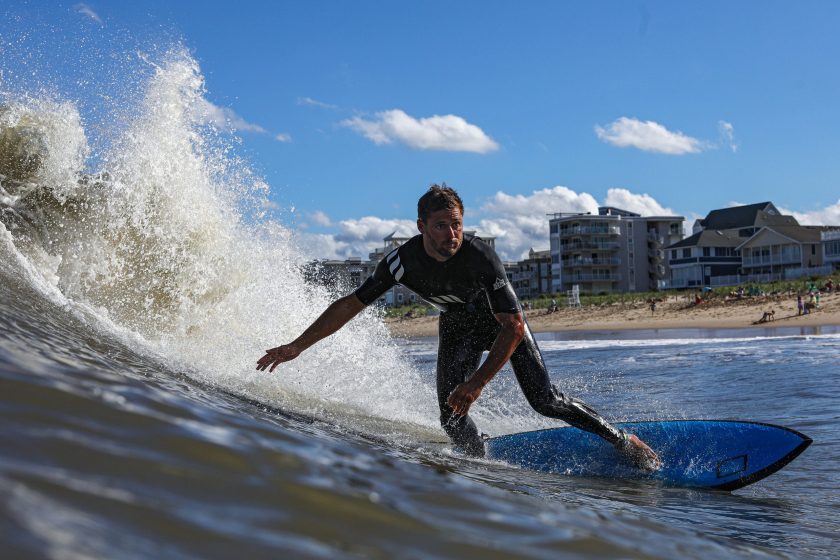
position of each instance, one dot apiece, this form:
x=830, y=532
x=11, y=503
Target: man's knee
x=550, y=401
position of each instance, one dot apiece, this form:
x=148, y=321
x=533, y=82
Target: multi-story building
x=782, y=252
x=615, y=251
x=532, y=276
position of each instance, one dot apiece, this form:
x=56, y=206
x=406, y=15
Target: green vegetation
x=787, y=287
x=413, y=310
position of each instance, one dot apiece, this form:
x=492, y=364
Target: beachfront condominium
x=613, y=251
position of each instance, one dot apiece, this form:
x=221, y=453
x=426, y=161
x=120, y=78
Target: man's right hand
x=276, y=356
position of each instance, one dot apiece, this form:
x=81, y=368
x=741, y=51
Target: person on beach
x=463, y=276
x=799, y=306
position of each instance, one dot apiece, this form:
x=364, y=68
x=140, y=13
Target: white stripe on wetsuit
x=447, y=299
x=396, y=268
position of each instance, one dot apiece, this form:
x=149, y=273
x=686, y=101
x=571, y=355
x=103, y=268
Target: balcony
x=655, y=239
x=590, y=230
x=763, y=260
x=589, y=245
x=575, y=278
x=657, y=272
x=581, y=262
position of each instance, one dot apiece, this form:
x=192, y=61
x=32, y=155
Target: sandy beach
x=672, y=312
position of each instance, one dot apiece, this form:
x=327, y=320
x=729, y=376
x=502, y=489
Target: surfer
x=462, y=276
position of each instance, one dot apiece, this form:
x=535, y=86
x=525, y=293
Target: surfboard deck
x=713, y=454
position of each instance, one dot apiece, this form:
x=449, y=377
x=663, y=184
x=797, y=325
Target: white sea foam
x=732, y=342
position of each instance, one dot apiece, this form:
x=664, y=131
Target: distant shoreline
x=673, y=312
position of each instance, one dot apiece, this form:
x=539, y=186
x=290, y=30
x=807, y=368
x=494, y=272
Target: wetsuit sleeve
x=494, y=281
x=376, y=285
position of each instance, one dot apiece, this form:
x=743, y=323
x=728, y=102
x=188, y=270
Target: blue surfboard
x=714, y=454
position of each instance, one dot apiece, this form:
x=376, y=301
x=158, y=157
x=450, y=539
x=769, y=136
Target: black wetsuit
x=469, y=288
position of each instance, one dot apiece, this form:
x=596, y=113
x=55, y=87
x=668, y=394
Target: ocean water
x=141, y=279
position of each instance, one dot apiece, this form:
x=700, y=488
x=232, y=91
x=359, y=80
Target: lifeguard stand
x=573, y=296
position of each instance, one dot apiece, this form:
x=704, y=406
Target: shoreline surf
x=671, y=314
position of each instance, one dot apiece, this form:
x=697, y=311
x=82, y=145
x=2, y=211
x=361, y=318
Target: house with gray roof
x=780, y=252
x=695, y=260
x=746, y=220
x=754, y=242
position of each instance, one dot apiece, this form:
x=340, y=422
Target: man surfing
x=462, y=275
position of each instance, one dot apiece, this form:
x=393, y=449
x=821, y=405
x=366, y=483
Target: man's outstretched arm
x=332, y=319
x=509, y=337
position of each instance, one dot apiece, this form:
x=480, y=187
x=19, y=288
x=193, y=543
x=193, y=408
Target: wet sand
x=673, y=312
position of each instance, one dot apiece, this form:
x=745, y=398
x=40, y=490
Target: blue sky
x=349, y=110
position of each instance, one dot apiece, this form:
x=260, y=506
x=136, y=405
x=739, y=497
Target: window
x=673, y=253
x=707, y=251
x=686, y=253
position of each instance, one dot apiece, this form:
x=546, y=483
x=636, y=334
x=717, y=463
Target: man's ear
x=421, y=226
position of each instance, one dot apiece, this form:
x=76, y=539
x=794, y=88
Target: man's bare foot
x=638, y=453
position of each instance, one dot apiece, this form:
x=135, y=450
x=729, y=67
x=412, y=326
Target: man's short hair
x=438, y=197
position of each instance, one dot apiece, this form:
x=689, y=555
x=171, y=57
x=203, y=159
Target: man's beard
x=447, y=250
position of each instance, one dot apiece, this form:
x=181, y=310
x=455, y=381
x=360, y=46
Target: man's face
x=443, y=233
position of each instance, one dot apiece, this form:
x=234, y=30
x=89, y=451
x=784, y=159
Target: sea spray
x=162, y=240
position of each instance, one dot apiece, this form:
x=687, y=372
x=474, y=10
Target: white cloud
x=372, y=229
x=447, y=133
x=518, y=222
x=315, y=103
x=320, y=218
x=516, y=235
x=224, y=118
x=353, y=238
x=649, y=136
x=86, y=10
x=545, y=201
x=727, y=135
x=283, y=137
x=643, y=204
x=324, y=246
x=828, y=216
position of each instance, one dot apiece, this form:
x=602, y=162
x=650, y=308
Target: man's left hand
x=463, y=396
